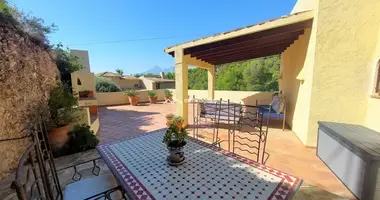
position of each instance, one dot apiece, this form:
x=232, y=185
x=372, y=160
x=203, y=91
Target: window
x=377, y=80
x=157, y=86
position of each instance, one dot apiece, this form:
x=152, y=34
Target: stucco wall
x=248, y=98
x=126, y=83
x=87, y=81
x=83, y=59
x=346, y=39
x=245, y=97
x=117, y=98
x=373, y=109
x=297, y=63
x=147, y=84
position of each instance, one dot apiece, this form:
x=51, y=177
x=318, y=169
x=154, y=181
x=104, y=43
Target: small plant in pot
x=168, y=95
x=152, y=96
x=85, y=94
x=169, y=118
x=63, y=112
x=133, y=98
x=178, y=121
x=174, y=139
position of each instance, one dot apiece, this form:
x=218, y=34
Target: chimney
x=162, y=74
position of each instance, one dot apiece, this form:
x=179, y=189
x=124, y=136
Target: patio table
x=140, y=167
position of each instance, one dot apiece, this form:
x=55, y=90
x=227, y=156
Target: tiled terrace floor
x=287, y=153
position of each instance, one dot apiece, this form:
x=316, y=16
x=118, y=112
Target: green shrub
x=62, y=107
x=131, y=93
x=152, y=93
x=82, y=138
x=175, y=137
x=168, y=93
x=177, y=119
x=106, y=85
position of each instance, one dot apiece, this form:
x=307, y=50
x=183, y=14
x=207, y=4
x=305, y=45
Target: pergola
x=263, y=39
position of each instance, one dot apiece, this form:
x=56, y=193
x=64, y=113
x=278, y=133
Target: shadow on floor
x=118, y=122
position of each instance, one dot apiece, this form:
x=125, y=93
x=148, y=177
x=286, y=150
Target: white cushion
x=89, y=187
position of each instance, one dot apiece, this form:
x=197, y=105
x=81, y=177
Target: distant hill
x=157, y=69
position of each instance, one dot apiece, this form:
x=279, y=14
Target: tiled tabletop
x=139, y=164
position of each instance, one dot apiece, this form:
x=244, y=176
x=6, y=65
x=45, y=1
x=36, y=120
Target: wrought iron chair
x=275, y=110
x=37, y=176
x=251, y=134
x=205, y=116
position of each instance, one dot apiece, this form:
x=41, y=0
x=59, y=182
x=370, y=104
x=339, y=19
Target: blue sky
x=96, y=26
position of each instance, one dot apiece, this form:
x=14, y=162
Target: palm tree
x=119, y=71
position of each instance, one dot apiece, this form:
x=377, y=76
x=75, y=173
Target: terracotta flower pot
x=153, y=99
x=179, y=125
x=133, y=100
x=58, y=136
x=169, y=121
x=169, y=98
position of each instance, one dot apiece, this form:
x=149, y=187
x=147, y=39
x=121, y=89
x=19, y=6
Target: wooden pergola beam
x=196, y=62
x=247, y=53
x=246, y=57
x=265, y=33
x=250, y=43
x=247, y=49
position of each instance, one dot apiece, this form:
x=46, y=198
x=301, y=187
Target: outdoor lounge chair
x=275, y=110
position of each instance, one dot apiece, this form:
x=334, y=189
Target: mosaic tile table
x=139, y=164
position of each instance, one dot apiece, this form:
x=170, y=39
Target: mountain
x=157, y=69
x=169, y=69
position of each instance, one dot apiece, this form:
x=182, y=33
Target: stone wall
x=27, y=73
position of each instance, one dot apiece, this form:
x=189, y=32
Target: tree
x=170, y=75
x=119, y=71
x=259, y=74
x=197, y=79
x=66, y=63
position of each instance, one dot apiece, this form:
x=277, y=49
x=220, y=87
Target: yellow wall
x=297, y=63
x=86, y=119
x=244, y=97
x=346, y=39
x=117, y=98
x=147, y=84
x=83, y=59
x=373, y=109
x=87, y=80
x=126, y=83
x=247, y=98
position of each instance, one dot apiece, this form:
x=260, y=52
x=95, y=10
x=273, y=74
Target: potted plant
x=85, y=94
x=178, y=121
x=133, y=98
x=169, y=118
x=168, y=95
x=174, y=139
x=152, y=96
x=63, y=113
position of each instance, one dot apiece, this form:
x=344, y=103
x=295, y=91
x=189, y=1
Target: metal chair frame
x=235, y=116
x=38, y=165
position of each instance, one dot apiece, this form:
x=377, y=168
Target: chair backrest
x=251, y=136
x=36, y=175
